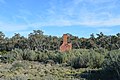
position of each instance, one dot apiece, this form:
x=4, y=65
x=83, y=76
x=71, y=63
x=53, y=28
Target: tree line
x=38, y=41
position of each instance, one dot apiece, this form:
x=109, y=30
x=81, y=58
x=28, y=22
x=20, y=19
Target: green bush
x=19, y=64
x=62, y=58
x=95, y=59
x=31, y=55
x=112, y=63
x=13, y=55
x=17, y=54
x=76, y=58
x=52, y=55
x=79, y=59
x=3, y=52
x=79, y=62
x=87, y=58
x=42, y=57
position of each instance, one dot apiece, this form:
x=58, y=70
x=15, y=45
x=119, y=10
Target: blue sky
x=55, y=17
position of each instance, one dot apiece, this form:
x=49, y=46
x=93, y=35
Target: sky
x=56, y=17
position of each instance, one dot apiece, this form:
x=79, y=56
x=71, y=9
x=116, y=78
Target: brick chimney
x=65, y=45
x=65, y=36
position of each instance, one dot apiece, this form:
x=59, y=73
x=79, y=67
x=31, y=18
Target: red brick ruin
x=65, y=45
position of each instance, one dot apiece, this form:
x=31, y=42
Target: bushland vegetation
x=37, y=57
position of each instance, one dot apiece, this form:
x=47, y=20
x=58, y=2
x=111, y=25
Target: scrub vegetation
x=37, y=57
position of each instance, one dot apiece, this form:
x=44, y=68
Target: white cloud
x=12, y=27
x=59, y=23
x=2, y=1
x=92, y=23
x=77, y=13
x=22, y=17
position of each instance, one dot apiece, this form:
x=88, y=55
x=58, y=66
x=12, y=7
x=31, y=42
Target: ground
x=30, y=70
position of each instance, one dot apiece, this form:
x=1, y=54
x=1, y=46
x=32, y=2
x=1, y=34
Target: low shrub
x=17, y=54
x=79, y=62
x=79, y=58
x=62, y=58
x=31, y=55
x=87, y=58
x=112, y=63
x=42, y=57
x=95, y=59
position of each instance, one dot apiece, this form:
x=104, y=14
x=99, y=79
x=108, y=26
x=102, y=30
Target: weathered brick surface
x=65, y=45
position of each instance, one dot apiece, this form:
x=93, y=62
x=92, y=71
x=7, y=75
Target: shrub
x=79, y=58
x=87, y=58
x=7, y=59
x=3, y=52
x=17, y=54
x=79, y=62
x=95, y=59
x=31, y=55
x=112, y=63
x=101, y=50
x=62, y=58
x=18, y=64
x=42, y=57
x=52, y=55
x=13, y=55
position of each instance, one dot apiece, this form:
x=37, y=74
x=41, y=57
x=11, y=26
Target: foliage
x=76, y=58
x=35, y=71
x=31, y=55
x=87, y=58
x=95, y=59
x=108, y=61
x=101, y=52
x=42, y=57
x=79, y=62
x=112, y=63
x=38, y=41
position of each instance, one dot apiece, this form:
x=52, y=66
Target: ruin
x=65, y=45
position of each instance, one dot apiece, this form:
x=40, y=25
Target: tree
x=2, y=41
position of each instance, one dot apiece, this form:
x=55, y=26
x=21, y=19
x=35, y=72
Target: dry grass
x=29, y=70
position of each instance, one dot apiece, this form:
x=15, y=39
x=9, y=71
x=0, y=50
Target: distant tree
x=2, y=41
